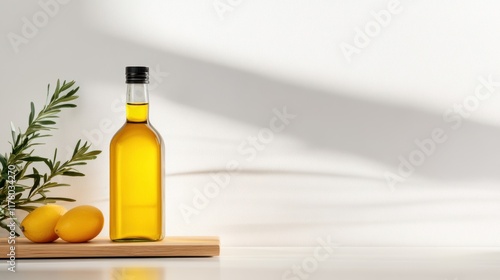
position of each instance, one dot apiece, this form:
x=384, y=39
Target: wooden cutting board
x=101, y=248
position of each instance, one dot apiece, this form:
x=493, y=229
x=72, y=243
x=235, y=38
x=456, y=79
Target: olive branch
x=24, y=187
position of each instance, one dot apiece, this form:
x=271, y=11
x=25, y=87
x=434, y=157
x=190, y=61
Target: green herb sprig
x=31, y=185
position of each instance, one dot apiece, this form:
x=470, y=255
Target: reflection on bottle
x=137, y=273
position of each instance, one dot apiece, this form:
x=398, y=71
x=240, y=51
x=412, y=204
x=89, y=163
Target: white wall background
x=324, y=174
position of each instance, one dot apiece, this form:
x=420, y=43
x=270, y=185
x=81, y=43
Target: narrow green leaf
x=61, y=199
x=72, y=173
x=3, y=161
x=33, y=158
x=47, y=122
x=26, y=208
x=64, y=106
x=93, y=153
x=36, y=182
x=72, y=92
x=56, y=166
x=58, y=89
x=48, y=162
x=54, y=185
x=67, y=85
x=47, y=96
x=76, y=148
x=76, y=163
x=18, y=139
x=32, y=113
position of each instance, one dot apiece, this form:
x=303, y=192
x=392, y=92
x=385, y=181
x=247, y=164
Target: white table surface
x=450, y=263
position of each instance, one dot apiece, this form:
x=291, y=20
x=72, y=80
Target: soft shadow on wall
x=332, y=120
x=328, y=120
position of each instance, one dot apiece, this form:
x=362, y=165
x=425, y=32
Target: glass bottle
x=136, y=168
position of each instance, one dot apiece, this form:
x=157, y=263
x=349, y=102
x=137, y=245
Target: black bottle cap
x=137, y=75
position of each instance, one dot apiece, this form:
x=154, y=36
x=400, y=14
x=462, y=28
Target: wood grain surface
x=98, y=248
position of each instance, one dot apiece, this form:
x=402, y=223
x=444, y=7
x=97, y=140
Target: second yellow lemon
x=80, y=224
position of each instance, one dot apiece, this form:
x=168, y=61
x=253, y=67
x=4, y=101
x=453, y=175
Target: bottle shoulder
x=131, y=131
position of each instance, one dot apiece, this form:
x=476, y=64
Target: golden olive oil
x=136, y=176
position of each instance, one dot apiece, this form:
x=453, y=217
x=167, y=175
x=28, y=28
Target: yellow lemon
x=38, y=226
x=80, y=224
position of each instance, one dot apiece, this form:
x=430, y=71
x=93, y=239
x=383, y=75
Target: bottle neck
x=137, y=103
